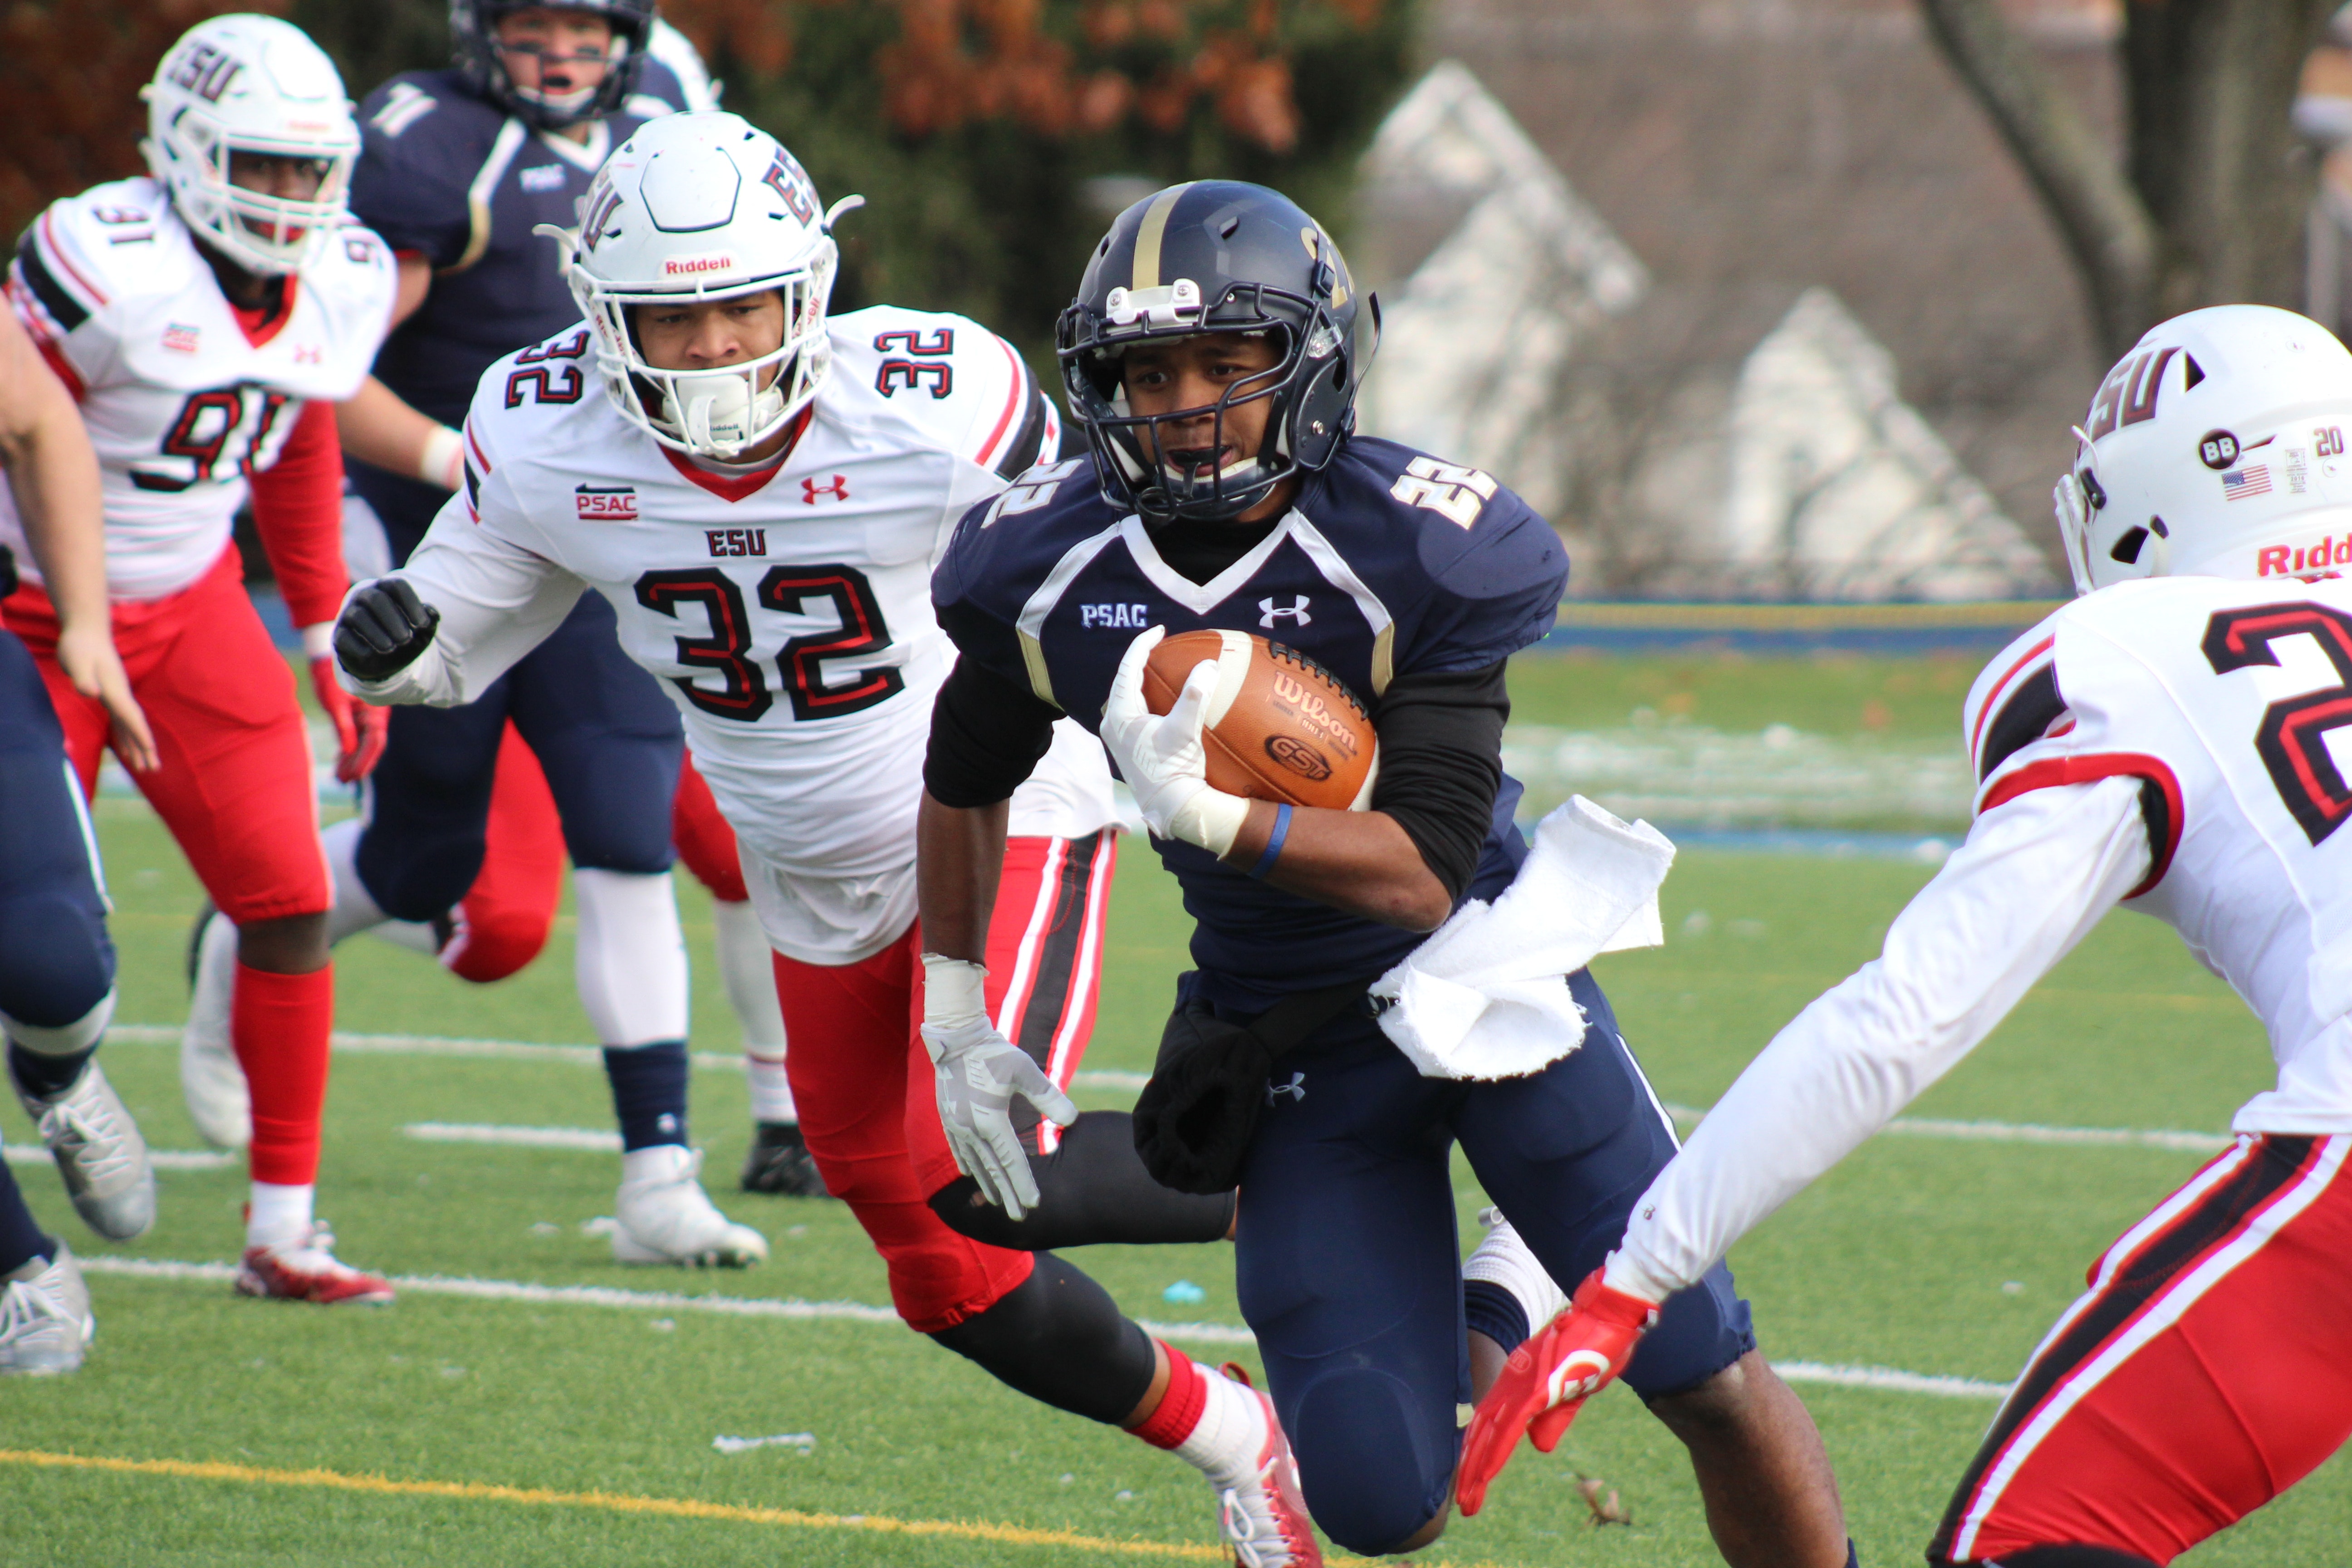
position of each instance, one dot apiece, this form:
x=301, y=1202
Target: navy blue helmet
x=474, y=46
x=1215, y=255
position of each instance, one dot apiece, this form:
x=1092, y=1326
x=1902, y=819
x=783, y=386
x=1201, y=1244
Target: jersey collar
x=739, y=486
x=589, y=155
x=1202, y=597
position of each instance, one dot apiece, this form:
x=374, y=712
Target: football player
x=2160, y=743
x=1210, y=356
x=207, y=319
x=56, y=964
x=760, y=494
x=457, y=166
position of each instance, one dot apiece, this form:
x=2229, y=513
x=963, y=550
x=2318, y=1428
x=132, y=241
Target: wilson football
x=1278, y=725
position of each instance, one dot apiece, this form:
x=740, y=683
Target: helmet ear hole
x=2126, y=549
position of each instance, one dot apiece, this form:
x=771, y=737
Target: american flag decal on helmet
x=2254, y=479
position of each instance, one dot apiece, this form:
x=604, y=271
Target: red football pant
x=235, y=787
x=2208, y=1369
x=505, y=918
x=864, y=1084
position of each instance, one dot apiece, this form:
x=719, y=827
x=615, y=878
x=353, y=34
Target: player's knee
x=1375, y=1465
x=1057, y=1336
x=417, y=878
x=494, y=945
x=56, y=962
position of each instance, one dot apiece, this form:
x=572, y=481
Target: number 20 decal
x=2292, y=739
x=742, y=694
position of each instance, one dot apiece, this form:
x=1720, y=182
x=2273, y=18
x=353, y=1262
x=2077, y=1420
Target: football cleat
x=210, y=1077
x=661, y=1214
x=45, y=1319
x=307, y=1270
x=780, y=1163
x=1264, y=1518
x=99, y=1153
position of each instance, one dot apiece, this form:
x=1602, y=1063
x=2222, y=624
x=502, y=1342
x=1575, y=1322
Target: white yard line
x=1885, y=1379
x=588, y=1137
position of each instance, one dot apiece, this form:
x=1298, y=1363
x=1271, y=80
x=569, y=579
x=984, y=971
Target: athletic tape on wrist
x=443, y=460
x=1273, y=841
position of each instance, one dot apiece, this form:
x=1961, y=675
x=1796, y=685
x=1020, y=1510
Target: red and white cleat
x=1263, y=1515
x=308, y=1271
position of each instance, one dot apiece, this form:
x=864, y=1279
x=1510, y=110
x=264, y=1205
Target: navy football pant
x=1350, y=1270
x=607, y=739
x=56, y=962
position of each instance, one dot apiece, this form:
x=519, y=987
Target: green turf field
x=449, y=1429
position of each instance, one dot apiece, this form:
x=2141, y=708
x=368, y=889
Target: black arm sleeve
x=1442, y=764
x=986, y=737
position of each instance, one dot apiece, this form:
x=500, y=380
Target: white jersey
x=2167, y=743
x=180, y=404
x=787, y=612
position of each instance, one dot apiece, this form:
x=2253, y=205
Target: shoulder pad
x=112, y=243
x=2015, y=698
x=962, y=387
x=524, y=397
x=392, y=109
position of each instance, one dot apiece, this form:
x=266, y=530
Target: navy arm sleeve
x=1441, y=764
x=987, y=734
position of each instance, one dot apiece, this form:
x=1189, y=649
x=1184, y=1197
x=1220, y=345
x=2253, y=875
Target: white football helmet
x=250, y=84
x=703, y=206
x=2216, y=447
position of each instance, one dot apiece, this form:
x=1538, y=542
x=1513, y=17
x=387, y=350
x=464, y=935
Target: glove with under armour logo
x=1161, y=756
x=1547, y=1380
x=979, y=1071
x=384, y=629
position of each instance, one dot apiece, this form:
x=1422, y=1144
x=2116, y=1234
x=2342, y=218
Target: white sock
x=279, y=1215
x=1502, y=1259
x=771, y=1091
x=353, y=910
x=748, y=971
x=1224, y=1444
x=629, y=961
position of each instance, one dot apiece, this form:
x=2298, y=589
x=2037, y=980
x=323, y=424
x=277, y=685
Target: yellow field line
x=614, y=1502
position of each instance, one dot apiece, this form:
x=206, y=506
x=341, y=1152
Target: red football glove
x=361, y=728
x=1547, y=1380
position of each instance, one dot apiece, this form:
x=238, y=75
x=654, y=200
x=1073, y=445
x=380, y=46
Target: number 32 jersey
x=2231, y=703
x=786, y=611
x=181, y=402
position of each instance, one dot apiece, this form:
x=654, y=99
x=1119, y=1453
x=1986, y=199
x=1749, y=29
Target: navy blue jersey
x=445, y=174
x=1390, y=564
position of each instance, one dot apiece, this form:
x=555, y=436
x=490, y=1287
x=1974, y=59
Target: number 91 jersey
x=2230, y=702
x=182, y=402
x=785, y=610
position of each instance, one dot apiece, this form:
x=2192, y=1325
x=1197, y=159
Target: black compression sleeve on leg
x=1060, y=1339
x=1091, y=1189
x=2070, y=1557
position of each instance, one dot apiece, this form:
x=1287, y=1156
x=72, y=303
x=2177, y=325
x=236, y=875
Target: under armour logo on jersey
x=307, y=353
x=1296, y=610
x=838, y=489
x=1296, y=1087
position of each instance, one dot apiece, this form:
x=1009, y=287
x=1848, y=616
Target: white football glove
x=979, y=1071
x=1161, y=758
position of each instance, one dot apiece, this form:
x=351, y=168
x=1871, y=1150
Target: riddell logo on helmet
x=688, y=265
x=2288, y=561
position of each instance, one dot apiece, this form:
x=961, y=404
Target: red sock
x=1179, y=1410
x=279, y=1025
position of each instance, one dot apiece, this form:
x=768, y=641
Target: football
x=1278, y=727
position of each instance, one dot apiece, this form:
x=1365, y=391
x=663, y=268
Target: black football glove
x=384, y=629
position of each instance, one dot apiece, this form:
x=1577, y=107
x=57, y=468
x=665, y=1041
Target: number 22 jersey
x=785, y=610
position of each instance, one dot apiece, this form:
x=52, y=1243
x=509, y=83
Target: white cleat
x=99, y=1153
x=218, y=1101
x=45, y=1318
x=661, y=1214
x=1263, y=1515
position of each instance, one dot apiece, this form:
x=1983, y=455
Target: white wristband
x=444, y=461
x=953, y=989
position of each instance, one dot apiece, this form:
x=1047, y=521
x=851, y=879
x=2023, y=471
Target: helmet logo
x=602, y=199
x=793, y=186
x=205, y=71
x=2217, y=451
x=2128, y=394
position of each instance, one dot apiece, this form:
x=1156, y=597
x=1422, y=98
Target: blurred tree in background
x=993, y=139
